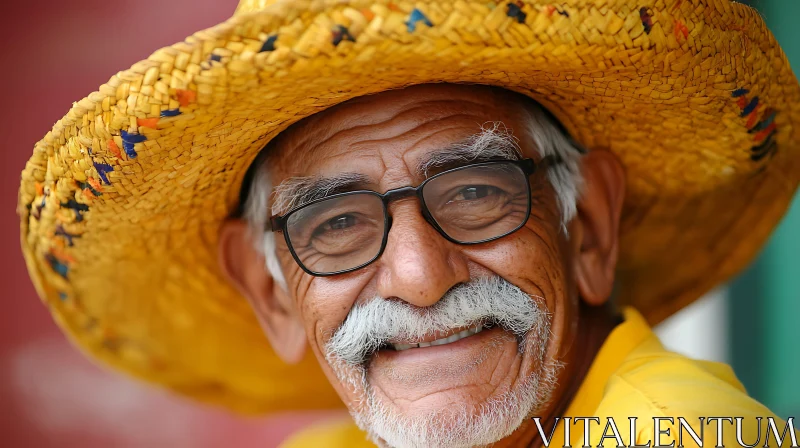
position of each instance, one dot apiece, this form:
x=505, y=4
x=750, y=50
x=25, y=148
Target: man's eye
x=475, y=192
x=340, y=222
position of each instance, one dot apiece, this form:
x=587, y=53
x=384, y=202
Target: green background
x=765, y=300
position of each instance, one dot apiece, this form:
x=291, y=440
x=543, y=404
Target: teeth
x=453, y=338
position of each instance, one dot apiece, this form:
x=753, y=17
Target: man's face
x=502, y=314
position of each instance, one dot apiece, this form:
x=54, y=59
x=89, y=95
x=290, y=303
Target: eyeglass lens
x=478, y=203
x=471, y=204
x=339, y=233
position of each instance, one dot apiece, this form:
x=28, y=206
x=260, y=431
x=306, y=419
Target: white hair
x=256, y=213
x=565, y=177
x=370, y=325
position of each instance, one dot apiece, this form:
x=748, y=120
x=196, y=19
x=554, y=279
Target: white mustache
x=370, y=325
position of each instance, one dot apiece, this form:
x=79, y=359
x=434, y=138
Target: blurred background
x=55, y=53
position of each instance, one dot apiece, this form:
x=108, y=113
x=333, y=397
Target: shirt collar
x=622, y=340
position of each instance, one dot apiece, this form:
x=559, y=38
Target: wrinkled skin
x=383, y=136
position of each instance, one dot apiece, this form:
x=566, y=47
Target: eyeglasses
x=467, y=205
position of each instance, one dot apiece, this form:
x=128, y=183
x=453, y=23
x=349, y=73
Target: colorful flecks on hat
x=130, y=140
x=92, y=187
x=514, y=10
x=646, y=14
x=269, y=44
x=680, y=30
x=185, y=96
x=58, y=265
x=67, y=236
x=170, y=113
x=146, y=123
x=76, y=207
x=36, y=210
x=340, y=33
x=762, y=125
x=416, y=17
x=548, y=10
x=112, y=146
x=103, y=169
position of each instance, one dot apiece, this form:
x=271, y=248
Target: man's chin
x=474, y=393
x=467, y=372
x=453, y=418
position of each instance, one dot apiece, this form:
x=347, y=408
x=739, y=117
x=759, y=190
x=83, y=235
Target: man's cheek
x=322, y=316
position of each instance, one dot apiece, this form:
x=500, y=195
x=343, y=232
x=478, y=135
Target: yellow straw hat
x=121, y=202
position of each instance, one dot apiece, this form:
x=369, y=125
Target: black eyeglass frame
x=278, y=223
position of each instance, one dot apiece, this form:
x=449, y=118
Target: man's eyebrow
x=298, y=191
x=491, y=143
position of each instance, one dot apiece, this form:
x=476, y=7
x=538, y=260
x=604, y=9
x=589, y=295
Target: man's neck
x=596, y=323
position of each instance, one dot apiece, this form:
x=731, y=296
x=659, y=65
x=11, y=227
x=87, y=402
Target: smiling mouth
x=442, y=341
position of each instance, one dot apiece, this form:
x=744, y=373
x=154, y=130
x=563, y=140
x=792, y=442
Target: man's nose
x=418, y=265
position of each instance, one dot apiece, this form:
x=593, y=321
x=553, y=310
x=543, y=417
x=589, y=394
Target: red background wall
x=54, y=53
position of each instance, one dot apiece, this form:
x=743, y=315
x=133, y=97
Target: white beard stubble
x=370, y=325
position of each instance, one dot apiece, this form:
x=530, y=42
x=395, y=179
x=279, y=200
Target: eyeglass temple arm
x=275, y=224
x=530, y=166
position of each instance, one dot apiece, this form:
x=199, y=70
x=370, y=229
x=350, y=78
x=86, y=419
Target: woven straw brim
x=121, y=202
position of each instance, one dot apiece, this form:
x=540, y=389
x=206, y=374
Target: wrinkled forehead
x=404, y=123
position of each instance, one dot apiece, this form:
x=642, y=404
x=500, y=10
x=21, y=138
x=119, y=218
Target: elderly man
x=439, y=262
x=403, y=206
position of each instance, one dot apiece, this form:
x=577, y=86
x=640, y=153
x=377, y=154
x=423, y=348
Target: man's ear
x=246, y=270
x=599, y=211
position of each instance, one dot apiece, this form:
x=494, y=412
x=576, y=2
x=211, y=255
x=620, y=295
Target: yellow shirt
x=633, y=375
